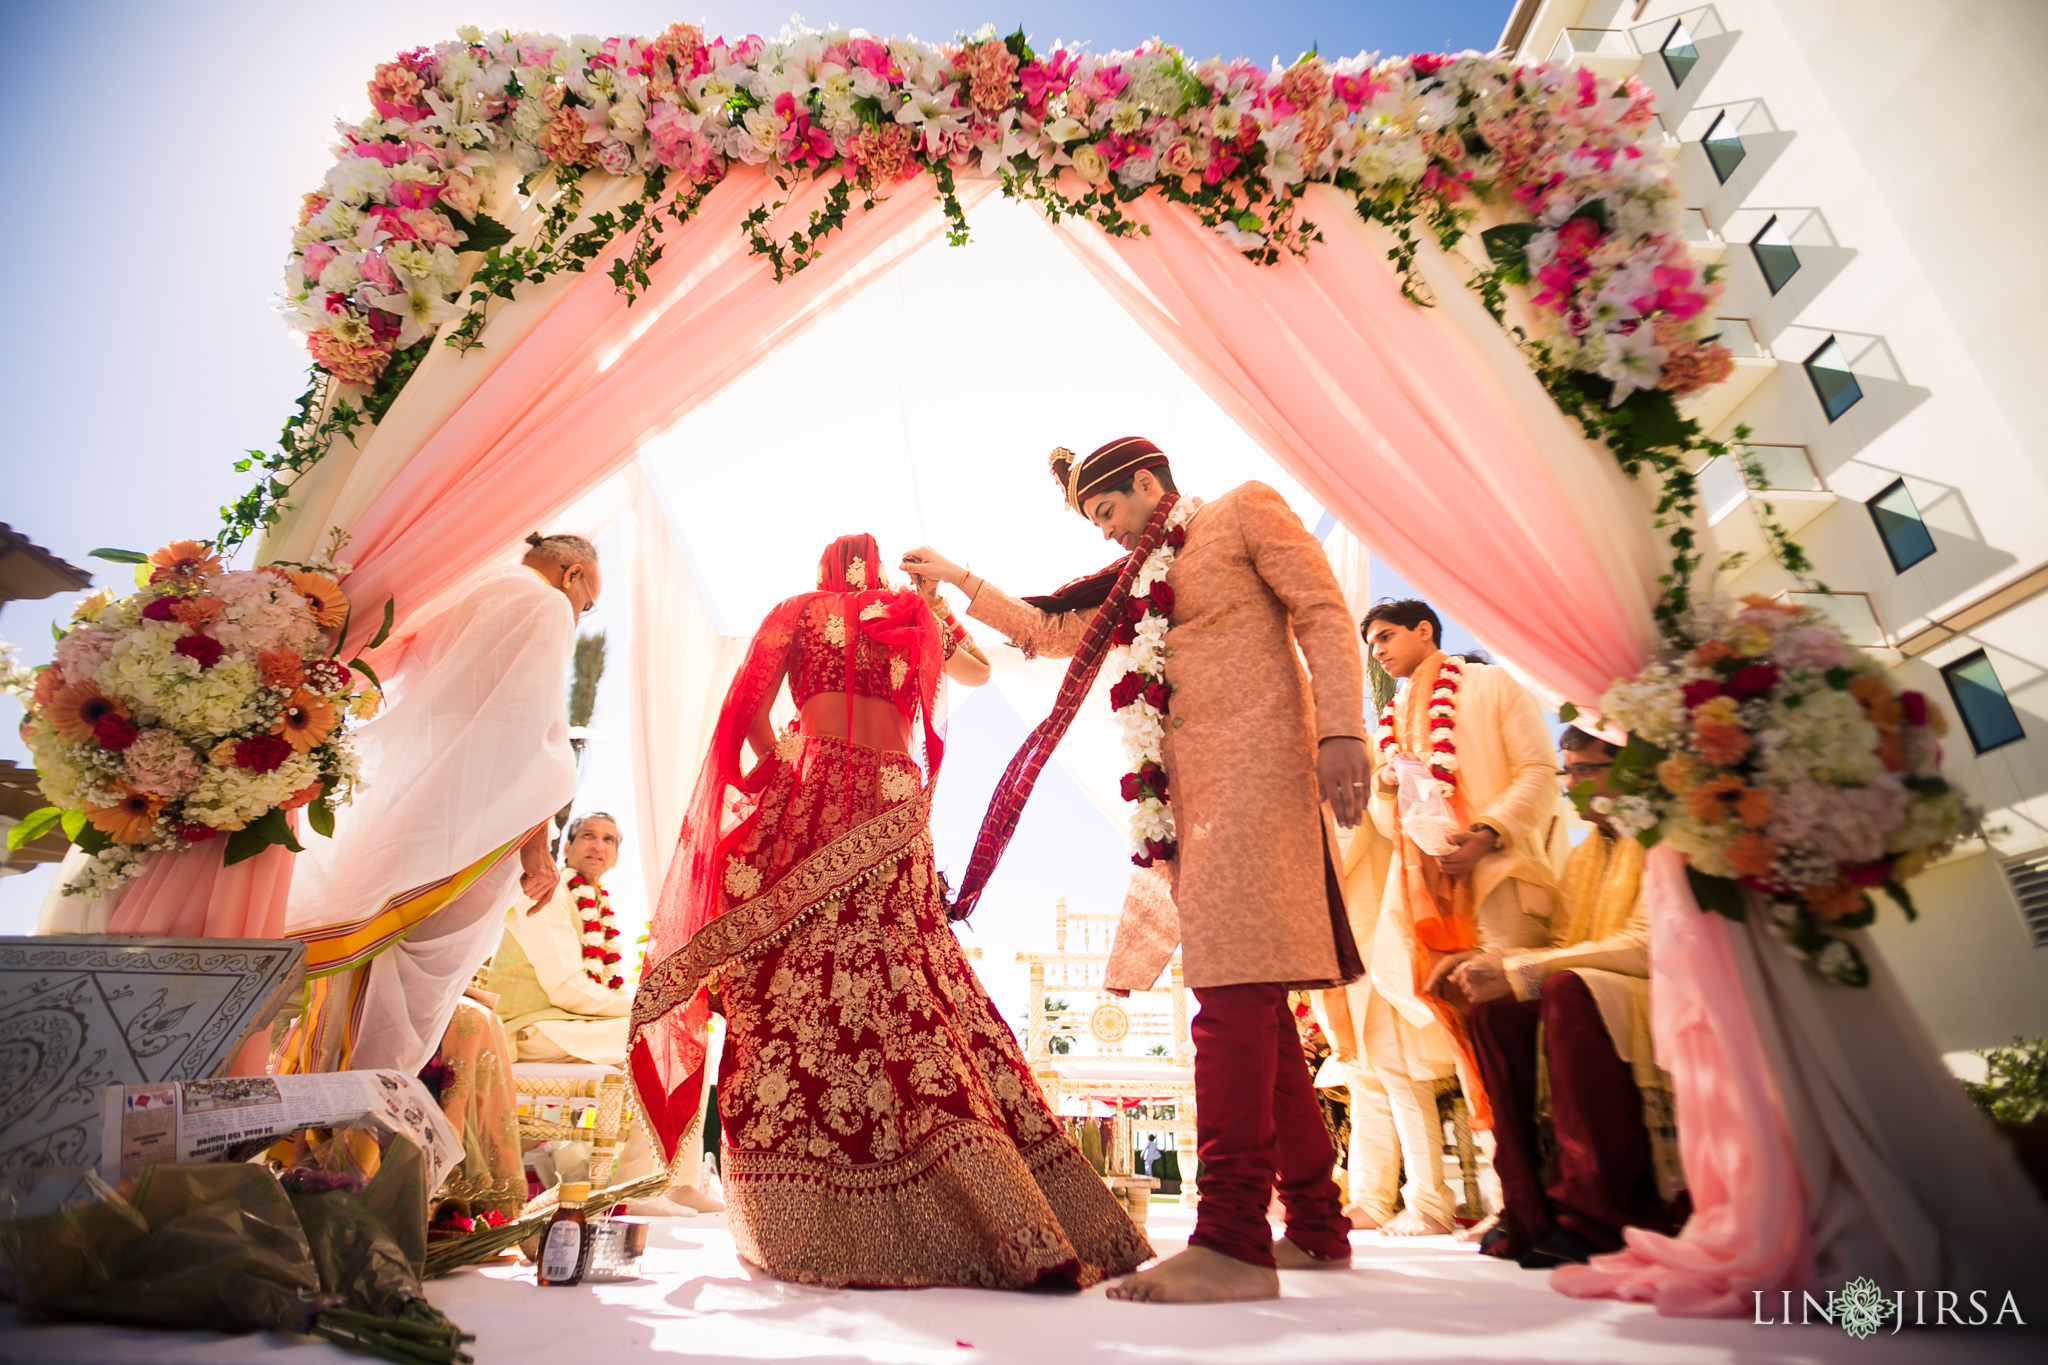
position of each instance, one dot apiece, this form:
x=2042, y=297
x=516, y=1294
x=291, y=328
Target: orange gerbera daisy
x=79, y=706
x=305, y=722
x=1712, y=802
x=303, y=796
x=1721, y=745
x=131, y=819
x=1753, y=855
x=1833, y=902
x=184, y=559
x=322, y=594
x=49, y=682
x=281, y=668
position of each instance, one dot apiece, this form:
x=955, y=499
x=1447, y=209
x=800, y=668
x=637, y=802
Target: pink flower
x=161, y=764
x=1812, y=649
x=377, y=272
x=316, y=257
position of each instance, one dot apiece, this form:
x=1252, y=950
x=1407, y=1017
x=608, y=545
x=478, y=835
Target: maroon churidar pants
x=1604, y=1180
x=1258, y=1129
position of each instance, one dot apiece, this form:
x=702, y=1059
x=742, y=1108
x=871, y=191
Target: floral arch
x=1436, y=289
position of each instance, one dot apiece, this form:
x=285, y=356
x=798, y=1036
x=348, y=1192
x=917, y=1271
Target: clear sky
x=150, y=208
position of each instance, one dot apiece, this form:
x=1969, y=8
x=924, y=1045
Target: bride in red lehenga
x=881, y=1127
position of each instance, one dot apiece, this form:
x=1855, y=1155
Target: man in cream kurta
x=1507, y=780
x=1581, y=1001
x=577, y=1015
x=462, y=773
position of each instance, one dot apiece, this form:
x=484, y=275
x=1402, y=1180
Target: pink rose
x=1179, y=159
x=317, y=257
x=615, y=157
x=377, y=271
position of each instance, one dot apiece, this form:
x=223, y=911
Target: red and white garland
x=1141, y=696
x=594, y=913
x=1443, y=725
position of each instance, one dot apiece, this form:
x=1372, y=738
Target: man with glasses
x=1582, y=1003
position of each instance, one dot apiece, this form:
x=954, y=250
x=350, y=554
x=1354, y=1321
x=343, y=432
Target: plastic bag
x=1425, y=815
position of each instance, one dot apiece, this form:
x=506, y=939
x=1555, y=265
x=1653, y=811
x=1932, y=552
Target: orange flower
x=322, y=594
x=305, y=722
x=1711, y=653
x=1880, y=703
x=1753, y=855
x=202, y=610
x=49, y=681
x=1757, y=599
x=281, y=668
x=1833, y=902
x=1753, y=807
x=184, y=559
x=302, y=797
x=79, y=706
x=1891, y=749
x=129, y=820
x=1678, y=775
x=1711, y=802
x=1721, y=745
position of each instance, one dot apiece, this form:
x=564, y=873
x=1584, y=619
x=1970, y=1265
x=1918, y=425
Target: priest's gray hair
x=561, y=549
x=576, y=825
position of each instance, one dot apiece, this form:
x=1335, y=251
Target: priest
x=1252, y=745
x=462, y=773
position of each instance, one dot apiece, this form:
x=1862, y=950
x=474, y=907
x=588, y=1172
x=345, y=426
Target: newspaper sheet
x=233, y=1117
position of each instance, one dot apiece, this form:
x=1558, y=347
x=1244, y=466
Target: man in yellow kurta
x=1562, y=1036
x=1253, y=745
x=1486, y=879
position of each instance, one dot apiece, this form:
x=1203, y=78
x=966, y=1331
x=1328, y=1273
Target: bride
x=881, y=1127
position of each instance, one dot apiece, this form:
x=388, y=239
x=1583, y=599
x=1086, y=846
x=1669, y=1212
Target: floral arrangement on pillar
x=205, y=705
x=1792, y=773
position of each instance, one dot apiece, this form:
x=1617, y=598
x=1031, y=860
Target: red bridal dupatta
x=707, y=918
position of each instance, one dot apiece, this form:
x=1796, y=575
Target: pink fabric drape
x=1364, y=397
x=594, y=380
x=1748, y=1230
x=191, y=895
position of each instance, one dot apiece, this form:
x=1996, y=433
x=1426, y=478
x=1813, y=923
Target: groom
x=1253, y=747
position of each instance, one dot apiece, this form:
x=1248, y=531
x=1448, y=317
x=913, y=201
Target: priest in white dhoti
x=558, y=973
x=462, y=773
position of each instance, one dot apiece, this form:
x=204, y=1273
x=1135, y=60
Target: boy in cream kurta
x=1254, y=744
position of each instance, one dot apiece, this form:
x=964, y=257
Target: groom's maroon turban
x=1105, y=465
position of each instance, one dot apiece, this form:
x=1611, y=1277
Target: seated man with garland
x=560, y=990
x=1585, y=1143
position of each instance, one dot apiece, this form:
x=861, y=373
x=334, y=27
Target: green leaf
x=1656, y=418
x=320, y=815
x=1635, y=766
x=1651, y=837
x=1859, y=918
x=359, y=666
x=32, y=826
x=1567, y=713
x=1507, y=246
x=1896, y=889
x=1722, y=895
x=74, y=824
x=92, y=839
x=119, y=556
x=1019, y=48
x=56, y=631
x=1581, y=794
x=243, y=844
x=390, y=607
x=1838, y=677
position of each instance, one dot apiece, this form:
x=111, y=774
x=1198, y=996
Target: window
x=1833, y=382
x=1775, y=255
x=1723, y=146
x=1899, y=526
x=2027, y=876
x=1981, y=702
x=1680, y=56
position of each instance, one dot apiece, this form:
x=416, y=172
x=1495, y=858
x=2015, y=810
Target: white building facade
x=1870, y=178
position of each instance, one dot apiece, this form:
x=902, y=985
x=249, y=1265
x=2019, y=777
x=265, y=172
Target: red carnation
x=262, y=753
x=1700, y=691
x=610, y=932
x=1177, y=537
x=615, y=983
x=159, y=609
x=1914, y=704
x=591, y=950
x=1754, y=680
x=1444, y=746
x=1133, y=788
x=591, y=926
x=1442, y=723
x=115, y=732
x=1162, y=598
x=204, y=649
x=196, y=834
x=610, y=958
x=1157, y=694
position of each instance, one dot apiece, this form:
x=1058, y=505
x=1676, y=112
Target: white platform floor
x=1422, y=1299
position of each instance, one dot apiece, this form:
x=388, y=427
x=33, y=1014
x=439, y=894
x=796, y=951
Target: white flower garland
x=1443, y=726
x=1143, y=722
x=597, y=933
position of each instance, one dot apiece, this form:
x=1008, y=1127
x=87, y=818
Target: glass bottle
x=565, y=1250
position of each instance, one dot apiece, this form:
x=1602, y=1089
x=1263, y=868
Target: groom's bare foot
x=1288, y=1256
x=1410, y=1223
x=1199, y=1275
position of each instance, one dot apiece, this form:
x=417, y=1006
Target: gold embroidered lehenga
x=881, y=1127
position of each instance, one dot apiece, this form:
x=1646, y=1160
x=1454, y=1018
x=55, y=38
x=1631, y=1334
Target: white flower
x=1633, y=361
x=356, y=180
x=1089, y=164
x=932, y=112
x=1065, y=129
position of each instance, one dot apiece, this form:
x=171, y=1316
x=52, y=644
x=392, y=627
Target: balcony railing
x=1753, y=365
x=1854, y=614
x=1607, y=52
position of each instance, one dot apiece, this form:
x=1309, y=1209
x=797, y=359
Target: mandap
x=1447, y=295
